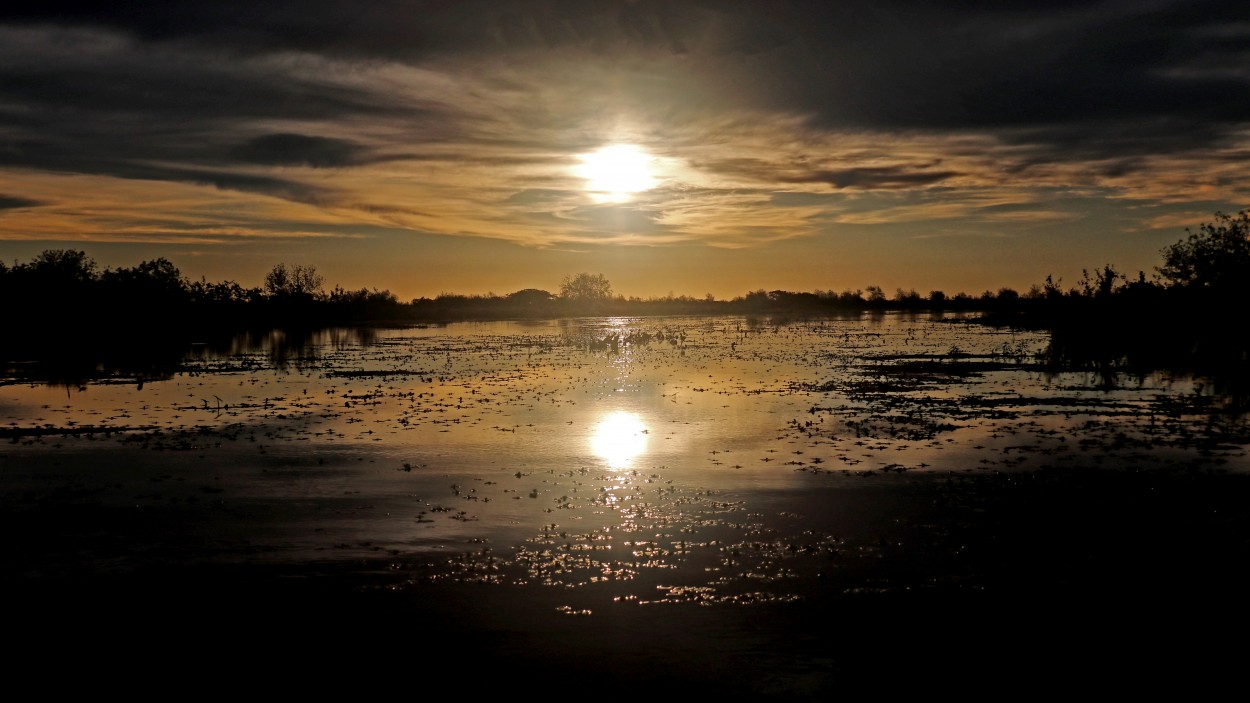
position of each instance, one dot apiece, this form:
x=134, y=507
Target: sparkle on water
x=619, y=438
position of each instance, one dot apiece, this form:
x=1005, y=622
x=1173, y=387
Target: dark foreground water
x=725, y=507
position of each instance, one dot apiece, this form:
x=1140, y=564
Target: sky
x=676, y=147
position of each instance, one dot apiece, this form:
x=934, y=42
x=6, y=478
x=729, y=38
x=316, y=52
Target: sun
x=614, y=174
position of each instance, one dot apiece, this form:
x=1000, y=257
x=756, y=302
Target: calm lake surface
x=611, y=471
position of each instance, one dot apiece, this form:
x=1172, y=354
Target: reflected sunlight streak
x=619, y=438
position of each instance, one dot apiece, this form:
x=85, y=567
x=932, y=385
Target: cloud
x=287, y=149
x=1069, y=75
x=1177, y=221
x=60, y=157
x=95, y=102
x=782, y=169
x=871, y=178
x=767, y=122
x=9, y=202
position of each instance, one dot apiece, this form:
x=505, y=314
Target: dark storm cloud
x=388, y=29
x=1064, y=76
x=9, y=202
x=170, y=86
x=76, y=100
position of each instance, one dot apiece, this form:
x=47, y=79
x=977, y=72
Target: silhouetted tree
x=756, y=300
x=1102, y=284
x=1051, y=289
x=907, y=298
x=60, y=266
x=530, y=302
x=139, y=298
x=851, y=298
x=1216, y=257
x=531, y=296
x=586, y=288
x=53, y=289
x=222, y=293
x=152, y=281
x=294, y=282
x=364, y=305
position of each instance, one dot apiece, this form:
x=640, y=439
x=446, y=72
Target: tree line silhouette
x=62, y=301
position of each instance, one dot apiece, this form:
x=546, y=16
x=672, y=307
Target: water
x=591, y=469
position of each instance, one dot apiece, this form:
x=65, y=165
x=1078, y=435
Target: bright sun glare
x=618, y=438
x=615, y=173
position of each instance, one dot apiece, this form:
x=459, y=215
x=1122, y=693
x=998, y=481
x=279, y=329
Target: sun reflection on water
x=619, y=438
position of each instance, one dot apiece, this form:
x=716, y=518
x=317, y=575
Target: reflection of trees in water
x=141, y=356
x=1213, y=354
x=66, y=358
x=285, y=347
